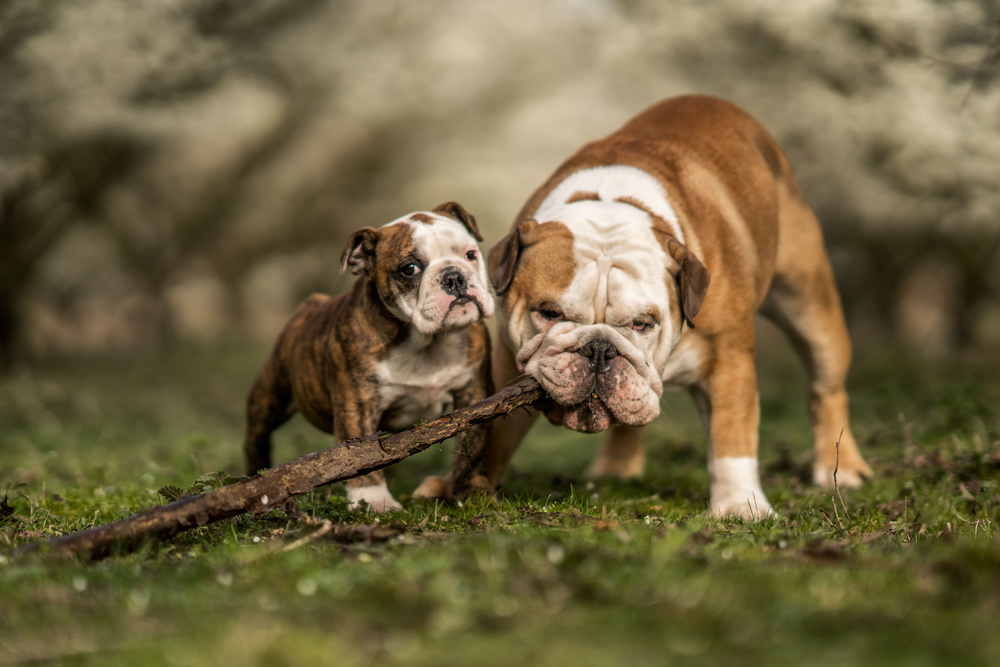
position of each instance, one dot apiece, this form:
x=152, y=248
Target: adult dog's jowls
x=639, y=265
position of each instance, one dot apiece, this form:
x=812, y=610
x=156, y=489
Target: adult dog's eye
x=642, y=326
x=409, y=270
x=471, y=255
x=550, y=314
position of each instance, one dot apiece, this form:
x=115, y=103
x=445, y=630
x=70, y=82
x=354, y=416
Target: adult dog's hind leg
x=804, y=303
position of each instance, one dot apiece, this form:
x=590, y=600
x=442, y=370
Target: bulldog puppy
x=640, y=265
x=406, y=343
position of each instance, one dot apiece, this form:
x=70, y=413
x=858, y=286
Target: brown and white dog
x=639, y=265
x=406, y=343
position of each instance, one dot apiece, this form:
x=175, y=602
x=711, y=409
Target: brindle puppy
x=406, y=343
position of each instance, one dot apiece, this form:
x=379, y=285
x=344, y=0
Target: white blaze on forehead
x=612, y=183
x=440, y=238
x=620, y=262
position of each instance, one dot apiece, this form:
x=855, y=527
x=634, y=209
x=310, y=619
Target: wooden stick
x=350, y=458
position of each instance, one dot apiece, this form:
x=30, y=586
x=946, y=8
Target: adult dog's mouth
x=589, y=416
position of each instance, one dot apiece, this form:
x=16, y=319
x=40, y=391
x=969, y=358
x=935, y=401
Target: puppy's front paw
x=434, y=487
x=375, y=498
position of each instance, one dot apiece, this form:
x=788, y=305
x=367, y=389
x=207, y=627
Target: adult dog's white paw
x=745, y=506
x=736, y=489
x=375, y=498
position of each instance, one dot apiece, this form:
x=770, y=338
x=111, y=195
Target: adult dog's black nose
x=454, y=283
x=599, y=353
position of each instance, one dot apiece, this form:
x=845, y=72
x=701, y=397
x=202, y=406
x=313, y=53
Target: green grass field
x=559, y=571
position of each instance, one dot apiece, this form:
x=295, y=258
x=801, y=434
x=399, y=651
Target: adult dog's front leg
x=621, y=454
x=730, y=407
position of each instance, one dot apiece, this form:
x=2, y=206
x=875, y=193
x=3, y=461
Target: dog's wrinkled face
x=591, y=309
x=427, y=268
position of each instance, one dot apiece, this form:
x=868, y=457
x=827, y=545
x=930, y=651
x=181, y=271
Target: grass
x=558, y=571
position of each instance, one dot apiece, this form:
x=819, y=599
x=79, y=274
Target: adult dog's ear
x=455, y=211
x=359, y=254
x=692, y=279
x=504, y=255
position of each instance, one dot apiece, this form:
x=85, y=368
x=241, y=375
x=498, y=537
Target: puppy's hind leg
x=269, y=405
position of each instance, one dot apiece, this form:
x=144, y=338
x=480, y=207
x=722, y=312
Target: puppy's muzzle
x=599, y=353
x=454, y=283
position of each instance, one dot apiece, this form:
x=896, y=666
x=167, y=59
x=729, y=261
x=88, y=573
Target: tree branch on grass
x=270, y=489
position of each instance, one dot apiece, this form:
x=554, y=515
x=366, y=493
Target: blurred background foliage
x=190, y=169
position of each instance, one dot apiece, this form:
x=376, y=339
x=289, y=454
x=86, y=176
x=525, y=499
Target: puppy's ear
x=692, y=280
x=359, y=254
x=455, y=211
x=504, y=255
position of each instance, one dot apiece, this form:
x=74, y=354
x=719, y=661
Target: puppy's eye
x=550, y=314
x=409, y=270
x=471, y=255
x=642, y=326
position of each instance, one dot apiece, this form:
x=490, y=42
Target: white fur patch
x=377, y=498
x=612, y=183
x=736, y=488
x=418, y=377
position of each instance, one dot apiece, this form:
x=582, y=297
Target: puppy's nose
x=599, y=353
x=454, y=283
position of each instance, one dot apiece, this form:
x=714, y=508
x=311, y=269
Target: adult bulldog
x=639, y=265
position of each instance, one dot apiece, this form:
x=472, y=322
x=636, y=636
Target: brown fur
x=455, y=211
x=583, y=196
x=748, y=228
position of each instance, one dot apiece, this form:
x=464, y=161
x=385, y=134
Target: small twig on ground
x=974, y=524
x=836, y=487
x=840, y=524
x=828, y=519
x=324, y=526
x=295, y=513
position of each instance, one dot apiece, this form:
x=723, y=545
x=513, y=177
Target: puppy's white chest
x=416, y=382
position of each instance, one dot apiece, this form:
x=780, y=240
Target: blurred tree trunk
x=43, y=204
x=31, y=222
